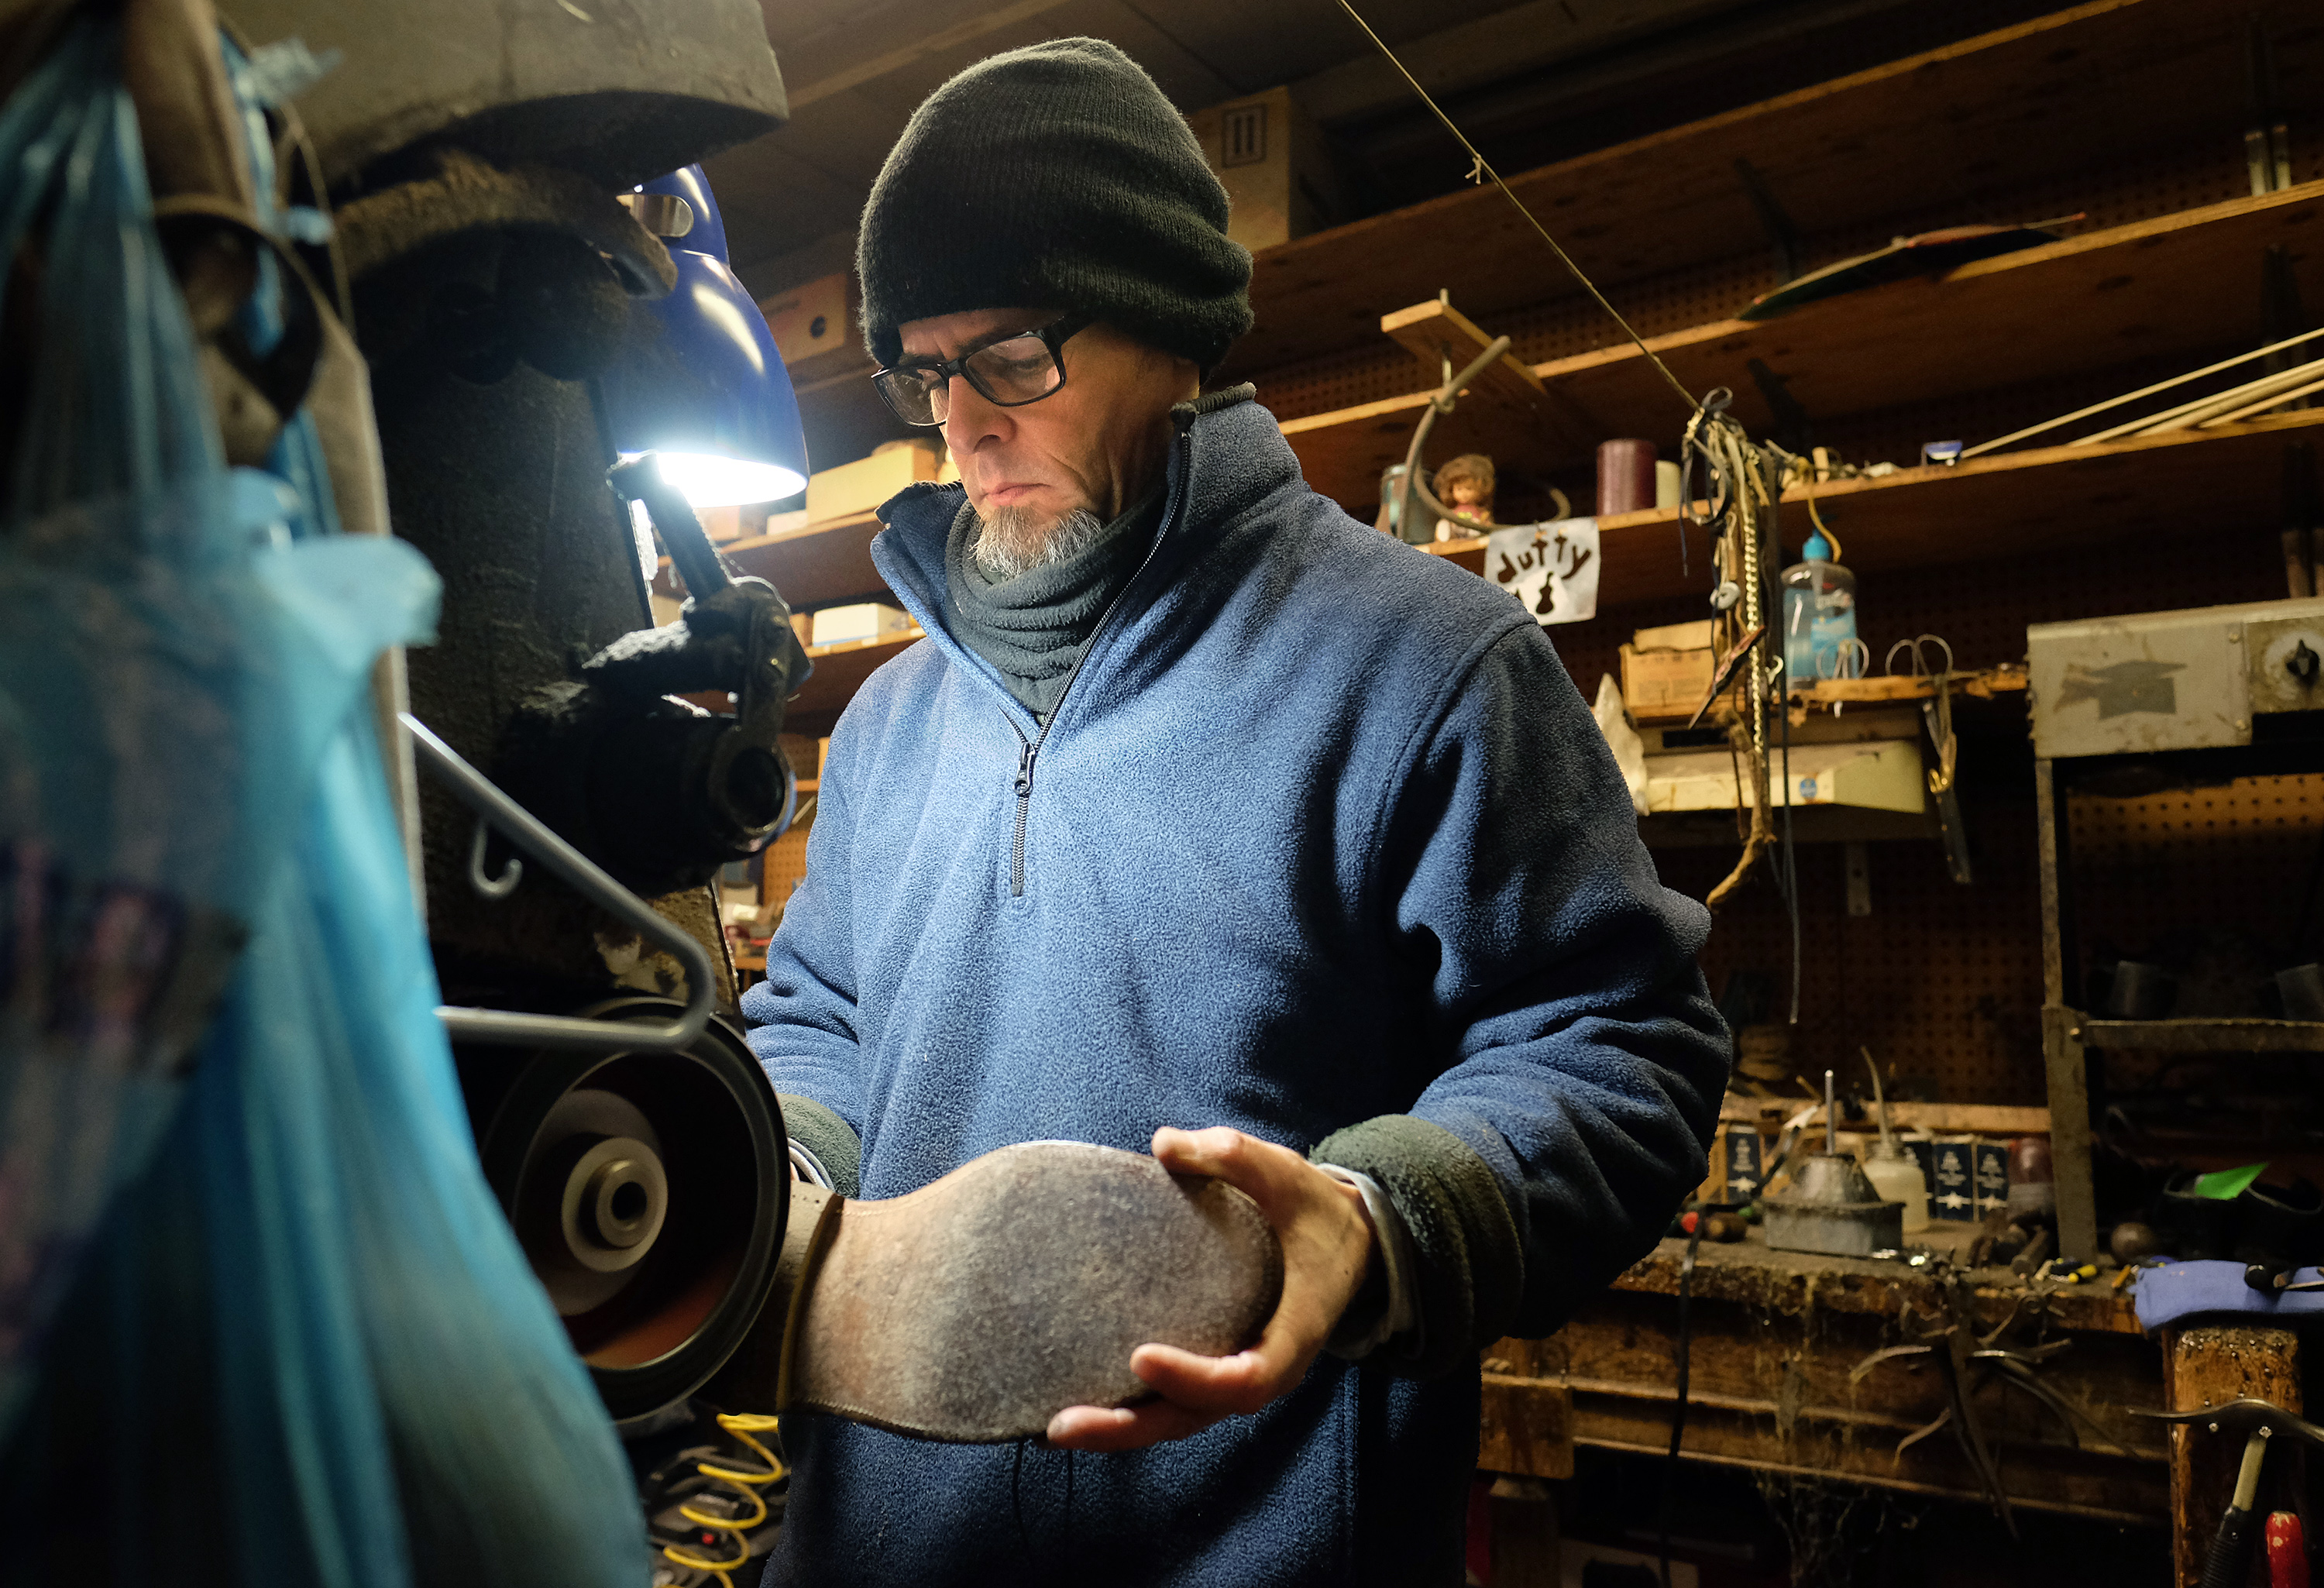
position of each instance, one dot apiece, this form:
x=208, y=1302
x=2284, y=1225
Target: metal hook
x=499, y=887
x=509, y=1028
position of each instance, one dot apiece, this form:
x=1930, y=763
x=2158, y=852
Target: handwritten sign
x=1552, y=569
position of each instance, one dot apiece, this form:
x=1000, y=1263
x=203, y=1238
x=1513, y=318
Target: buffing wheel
x=649, y=1192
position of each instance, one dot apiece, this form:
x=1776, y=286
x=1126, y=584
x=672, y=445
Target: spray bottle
x=1819, y=617
x=1893, y=1171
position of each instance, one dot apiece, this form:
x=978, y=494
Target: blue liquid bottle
x=1819, y=618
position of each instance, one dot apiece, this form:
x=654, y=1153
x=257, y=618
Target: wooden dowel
x=2264, y=403
x=2195, y=407
x=2192, y=374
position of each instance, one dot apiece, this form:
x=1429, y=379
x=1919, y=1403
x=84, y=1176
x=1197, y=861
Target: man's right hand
x=1327, y=1246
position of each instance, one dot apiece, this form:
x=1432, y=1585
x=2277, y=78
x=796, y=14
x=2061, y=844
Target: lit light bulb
x=705, y=479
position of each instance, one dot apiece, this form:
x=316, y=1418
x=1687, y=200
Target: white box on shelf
x=865, y=620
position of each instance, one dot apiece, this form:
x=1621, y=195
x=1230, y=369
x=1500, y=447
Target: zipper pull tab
x=1026, y=750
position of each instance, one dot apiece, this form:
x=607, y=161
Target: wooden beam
x=2204, y=1035
x=1986, y=1118
x=2205, y=1367
x=1526, y=1427
x=1983, y=684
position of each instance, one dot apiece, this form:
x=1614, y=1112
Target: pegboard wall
x=1935, y=981
x=2213, y=883
x=1944, y=981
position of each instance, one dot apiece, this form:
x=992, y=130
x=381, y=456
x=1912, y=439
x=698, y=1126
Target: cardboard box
x=812, y=318
x=1693, y=636
x=1665, y=685
x=865, y=620
x=863, y=484
x=1280, y=179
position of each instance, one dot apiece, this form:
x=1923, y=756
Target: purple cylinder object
x=1625, y=476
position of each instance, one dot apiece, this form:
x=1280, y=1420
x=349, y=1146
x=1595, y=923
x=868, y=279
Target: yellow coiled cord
x=742, y=1425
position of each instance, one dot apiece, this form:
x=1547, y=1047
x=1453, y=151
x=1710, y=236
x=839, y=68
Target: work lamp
x=699, y=381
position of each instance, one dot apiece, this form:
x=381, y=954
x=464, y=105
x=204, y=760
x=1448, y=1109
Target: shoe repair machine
x=496, y=251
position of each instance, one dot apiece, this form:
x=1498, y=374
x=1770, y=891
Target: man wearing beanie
x=1208, y=822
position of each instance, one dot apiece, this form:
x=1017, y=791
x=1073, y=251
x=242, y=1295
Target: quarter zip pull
x=1026, y=749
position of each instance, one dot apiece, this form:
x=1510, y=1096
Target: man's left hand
x=1327, y=1244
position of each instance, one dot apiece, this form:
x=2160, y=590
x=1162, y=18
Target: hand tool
x=2260, y=1421
x=2287, y=1551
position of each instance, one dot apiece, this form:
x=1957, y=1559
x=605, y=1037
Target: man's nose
x=969, y=418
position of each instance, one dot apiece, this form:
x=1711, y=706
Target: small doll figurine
x=1465, y=486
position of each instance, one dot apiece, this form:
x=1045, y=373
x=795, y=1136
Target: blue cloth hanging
x=266, y=1308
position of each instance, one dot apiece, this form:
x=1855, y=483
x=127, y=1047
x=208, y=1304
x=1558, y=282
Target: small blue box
x=1744, y=1164
x=1953, y=1181
x=1992, y=1176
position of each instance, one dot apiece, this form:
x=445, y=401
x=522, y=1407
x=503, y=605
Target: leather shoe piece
x=977, y=1308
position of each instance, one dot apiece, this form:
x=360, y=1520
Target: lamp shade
x=698, y=380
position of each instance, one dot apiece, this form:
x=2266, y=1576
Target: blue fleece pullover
x=1321, y=833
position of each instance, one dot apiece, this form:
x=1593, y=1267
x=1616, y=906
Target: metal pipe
x=509, y=1028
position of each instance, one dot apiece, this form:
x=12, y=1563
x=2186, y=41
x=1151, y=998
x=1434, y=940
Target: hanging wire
x=1481, y=166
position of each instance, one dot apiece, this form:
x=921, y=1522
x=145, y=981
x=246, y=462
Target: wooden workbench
x=1775, y=1338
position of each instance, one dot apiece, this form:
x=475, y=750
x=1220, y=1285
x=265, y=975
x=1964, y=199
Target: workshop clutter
x=1964, y=1176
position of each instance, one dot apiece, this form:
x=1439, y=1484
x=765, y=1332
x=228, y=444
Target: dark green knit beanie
x=1053, y=176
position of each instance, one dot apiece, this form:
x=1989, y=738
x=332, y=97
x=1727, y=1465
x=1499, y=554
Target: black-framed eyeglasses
x=1008, y=371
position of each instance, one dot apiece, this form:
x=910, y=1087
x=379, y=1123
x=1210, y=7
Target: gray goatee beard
x=1010, y=541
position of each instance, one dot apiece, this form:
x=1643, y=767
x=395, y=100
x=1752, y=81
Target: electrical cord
x=741, y=1425
x=1777, y=462
x=1481, y=167
x=1678, y=1409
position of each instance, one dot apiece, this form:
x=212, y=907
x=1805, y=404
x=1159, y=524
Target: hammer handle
x=2229, y=1562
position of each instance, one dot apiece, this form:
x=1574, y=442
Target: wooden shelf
x=839, y=671
x=2141, y=491
x=1988, y=1119
x=2041, y=99
x=2206, y=1036
x=2185, y=486
x=2150, y=288
x=814, y=565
